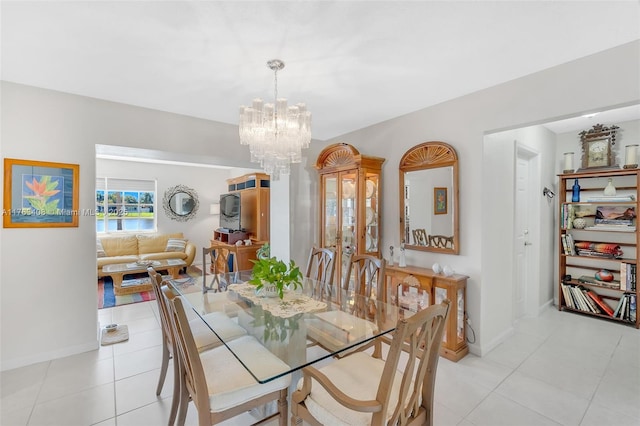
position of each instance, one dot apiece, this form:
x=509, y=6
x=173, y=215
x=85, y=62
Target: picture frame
x=440, y=200
x=40, y=194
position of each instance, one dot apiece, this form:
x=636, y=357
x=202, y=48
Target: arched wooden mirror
x=429, y=198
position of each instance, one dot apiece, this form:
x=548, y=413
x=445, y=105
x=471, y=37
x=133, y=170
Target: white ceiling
x=353, y=63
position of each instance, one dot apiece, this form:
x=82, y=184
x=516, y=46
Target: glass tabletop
x=308, y=325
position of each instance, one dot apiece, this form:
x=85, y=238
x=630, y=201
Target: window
x=125, y=205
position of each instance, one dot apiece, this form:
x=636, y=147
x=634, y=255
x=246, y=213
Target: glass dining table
x=308, y=325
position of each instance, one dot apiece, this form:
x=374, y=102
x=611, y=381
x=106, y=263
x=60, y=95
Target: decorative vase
x=604, y=275
x=610, y=190
x=268, y=290
x=575, y=192
x=436, y=268
x=579, y=223
x=447, y=271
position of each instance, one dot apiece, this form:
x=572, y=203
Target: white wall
x=50, y=273
x=602, y=81
x=48, y=296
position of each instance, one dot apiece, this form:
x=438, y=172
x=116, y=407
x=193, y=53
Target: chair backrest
x=321, y=265
x=185, y=348
x=440, y=241
x=420, y=336
x=156, y=283
x=216, y=260
x=367, y=272
x=420, y=237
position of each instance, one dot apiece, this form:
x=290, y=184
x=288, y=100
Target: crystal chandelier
x=276, y=133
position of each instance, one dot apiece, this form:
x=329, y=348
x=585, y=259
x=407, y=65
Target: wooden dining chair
x=216, y=261
x=369, y=390
x=321, y=265
x=215, y=381
x=366, y=272
x=321, y=268
x=203, y=336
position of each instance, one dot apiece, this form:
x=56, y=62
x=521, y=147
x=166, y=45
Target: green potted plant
x=274, y=275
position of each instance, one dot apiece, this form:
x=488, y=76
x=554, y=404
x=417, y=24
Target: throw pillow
x=100, y=250
x=176, y=244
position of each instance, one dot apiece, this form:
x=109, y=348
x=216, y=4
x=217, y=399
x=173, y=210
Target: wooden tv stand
x=230, y=237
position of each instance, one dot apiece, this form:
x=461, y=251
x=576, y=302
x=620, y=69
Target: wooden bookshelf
x=612, y=247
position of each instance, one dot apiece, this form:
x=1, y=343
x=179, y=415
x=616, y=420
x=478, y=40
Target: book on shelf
x=579, y=298
x=593, y=281
x=567, y=297
x=600, y=302
x=615, y=215
x=622, y=308
x=593, y=306
x=633, y=307
x=611, y=228
x=616, y=313
x=571, y=247
x=611, y=198
x=563, y=239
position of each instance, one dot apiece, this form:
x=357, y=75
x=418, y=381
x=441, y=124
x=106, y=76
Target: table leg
x=117, y=282
x=174, y=271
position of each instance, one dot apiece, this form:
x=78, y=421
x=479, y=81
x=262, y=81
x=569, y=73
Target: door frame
x=533, y=200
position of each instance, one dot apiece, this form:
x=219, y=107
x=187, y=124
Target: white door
x=526, y=274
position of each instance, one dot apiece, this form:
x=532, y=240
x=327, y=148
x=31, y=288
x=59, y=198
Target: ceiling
x=353, y=63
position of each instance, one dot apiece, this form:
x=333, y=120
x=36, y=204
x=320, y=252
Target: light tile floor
x=558, y=369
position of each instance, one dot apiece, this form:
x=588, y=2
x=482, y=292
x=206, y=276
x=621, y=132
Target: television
x=230, y=211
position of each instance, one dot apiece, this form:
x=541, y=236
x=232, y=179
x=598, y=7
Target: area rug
x=107, y=298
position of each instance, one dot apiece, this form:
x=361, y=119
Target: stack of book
x=568, y=244
x=627, y=308
x=579, y=298
x=593, y=281
x=627, y=276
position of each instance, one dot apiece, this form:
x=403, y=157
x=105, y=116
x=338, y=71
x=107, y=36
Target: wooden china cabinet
x=349, y=203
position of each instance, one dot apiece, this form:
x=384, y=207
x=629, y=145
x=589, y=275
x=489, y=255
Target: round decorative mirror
x=180, y=203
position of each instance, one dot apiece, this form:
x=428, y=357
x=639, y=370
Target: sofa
x=131, y=248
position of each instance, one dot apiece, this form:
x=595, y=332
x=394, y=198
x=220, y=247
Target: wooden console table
x=244, y=254
x=439, y=287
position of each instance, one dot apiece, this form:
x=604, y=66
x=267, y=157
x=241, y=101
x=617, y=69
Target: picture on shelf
x=615, y=215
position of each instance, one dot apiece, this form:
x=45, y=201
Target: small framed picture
x=439, y=200
x=40, y=194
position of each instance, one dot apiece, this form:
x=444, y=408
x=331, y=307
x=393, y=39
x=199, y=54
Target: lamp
x=214, y=209
x=275, y=134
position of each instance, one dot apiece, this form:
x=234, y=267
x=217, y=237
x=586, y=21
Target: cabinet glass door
x=330, y=235
x=372, y=214
x=349, y=212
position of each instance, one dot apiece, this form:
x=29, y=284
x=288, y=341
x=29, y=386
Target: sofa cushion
x=116, y=259
x=176, y=244
x=155, y=243
x=120, y=246
x=164, y=255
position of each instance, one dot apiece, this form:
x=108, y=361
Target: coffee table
x=118, y=270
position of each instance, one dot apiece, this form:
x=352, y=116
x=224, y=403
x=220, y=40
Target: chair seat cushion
x=229, y=382
x=224, y=327
x=357, y=375
x=336, y=329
